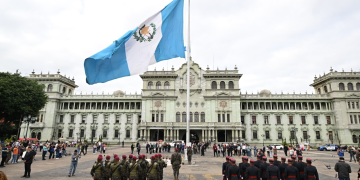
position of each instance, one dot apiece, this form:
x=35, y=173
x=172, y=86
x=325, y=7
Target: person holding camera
x=74, y=160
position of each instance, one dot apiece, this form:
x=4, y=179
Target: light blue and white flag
x=158, y=38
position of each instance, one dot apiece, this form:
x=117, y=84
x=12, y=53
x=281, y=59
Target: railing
x=333, y=74
x=283, y=96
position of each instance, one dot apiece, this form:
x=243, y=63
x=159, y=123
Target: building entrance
x=194, y=138
x=154, y=135
x=222, y=137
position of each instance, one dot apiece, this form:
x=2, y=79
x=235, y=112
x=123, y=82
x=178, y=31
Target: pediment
x=222, y=94
x=157, y=94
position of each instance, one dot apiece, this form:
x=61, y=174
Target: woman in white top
x=291, y=151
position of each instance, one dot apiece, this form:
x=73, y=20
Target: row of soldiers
x=133, y=168
x=274, y=170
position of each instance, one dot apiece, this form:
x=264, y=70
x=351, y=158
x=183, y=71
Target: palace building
x=218, y=110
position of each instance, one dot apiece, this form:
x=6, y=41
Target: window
x=305, y=136
x=178, y=117
x=128, y=118
x=328, y=120
x=59, y=133
x=222, y=85
x=82, y=133
x=50, y=87
x=153, y=118
x=350, y=87
x=354, y=138
x=166, y=85
x=106, y=118
x=116, y=134
x=292, y=134
x=303, y=120
x=191, y=117
x=196, y=117
x=64, y=90
x=158, y=85
x=253, y=119
x=127, y=133
x=150, y=85
x=228, y=117
x=61, y=119
x=184, y=117
x=317, y=134
x=213, y=85
x=93, y=133
x=357, y=105
x=242, y=120
x=94, y=118
x=316, y=120
x=117, y=119
x=162, y=117
x=353, y=105
x=41, y=118
x=291, y=121
x=71, y=132
x=349, y=105
x=202, y=117
x=254, y=134
x=279, y=134
x=223, y=117
x=330, y=135
x=72, y=118
x=355, y=119
x=358, y=86
x=351, y=119
x=69, y=91
x=341, y=87
x=243, y=134
x=157, y=117
x=231, y=85
x=266, y=119
x=267, y=134
x=104, y=134
x=278, y=120
x=325, y=89
x=319, y=91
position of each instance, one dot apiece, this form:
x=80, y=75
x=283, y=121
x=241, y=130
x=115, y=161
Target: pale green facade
x=218, y=110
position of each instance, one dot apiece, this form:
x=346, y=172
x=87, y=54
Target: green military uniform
x=162, y=165
x=134, y=169
x=124, y=169
x=115, y=171
x=195, y=149
x=153, y=170
x=189, y=154
x=97, y=170
x=176, y=163
x=143, y=169
x=107, y=171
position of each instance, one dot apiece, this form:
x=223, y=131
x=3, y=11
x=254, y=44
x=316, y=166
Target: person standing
x=272, y=171
x=45, y=150
x=252, y=172
x=285, y=149
x=258, y=161
x=15, y=154
x=132, y=148
x=274, y=151
x=28, y=159
x=134, y=169
x=107, y=172
x=352, y=153
x=139, y=148
x=263, y=168
x=343, y=169
x=115, y=169
x=310, y=171
x=73, y=164
x=233, y=171
x=4, y=154
x=189, y=154
x=301, y=167
x=153, y=169
x=103, y=147
x=255, y=150
x=41, y=146
x=291, y=172
x=215, y=150
x=125, y=167
x=282, y=167
x=97, y=169
x=341, y=153
x=176, y=163
x=244, y=165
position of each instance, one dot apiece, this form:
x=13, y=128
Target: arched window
x=325, y=89
x=33, y=135
x=214, y=85
x=42, y=117
x=150, y=85
x=191, y=117
x=196, y=117
x=39, y=135
x=184, y=117
x=319, y=91
x=202, y=117
x=222, y=85
x=49, y=89
x=341, y=87
x=178, y=117
x=166, y=85
x=158, y=85
x=354, y=138
x=69, y=91
x=231, y=85
x=64, y=90
x=358, y=86
x=350, y=87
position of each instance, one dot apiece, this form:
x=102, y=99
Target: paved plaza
x=205, y=167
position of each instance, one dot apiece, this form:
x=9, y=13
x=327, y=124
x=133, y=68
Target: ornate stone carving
x=280, y=128
x=157, y=103
x=192, y=79
x=178, y=104
x=223, y=104
x=305, y=128
x=202, y=104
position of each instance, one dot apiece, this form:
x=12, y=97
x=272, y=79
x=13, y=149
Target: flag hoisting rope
x=188, y=86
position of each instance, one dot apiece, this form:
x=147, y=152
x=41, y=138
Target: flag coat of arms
x=158, y=38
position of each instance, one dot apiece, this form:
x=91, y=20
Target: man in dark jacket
x=343, y=169
x=28, y=159
x=244, y=165
x=263, y=168
x=301, y=167
x=258, y=162
x=252, y=172
x=147, y=147
x=286, y=149
x=310, y=172
x=224, y=167
x=233, y=171
x=272, y=172
x=291, y=172
x=276, y=162
x=282, y=167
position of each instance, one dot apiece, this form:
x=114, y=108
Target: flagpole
x=188, y=87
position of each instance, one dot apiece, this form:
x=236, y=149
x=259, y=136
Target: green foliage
x=19, y=96
x=100, y=139
x=85, y=141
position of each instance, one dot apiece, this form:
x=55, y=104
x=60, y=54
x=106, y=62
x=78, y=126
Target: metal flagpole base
x=185, y=156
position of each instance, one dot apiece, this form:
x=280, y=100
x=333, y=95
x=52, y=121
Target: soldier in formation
x=97, y=169
x=258, y=161
x=276, y=162
x=243, y=166
x=233, y=171
x=189, y=154
x=115, y=169
x=310, y=172
x=272, y=171
x=176, y=163
x=301, y=167
x=252, y=172
x=282, y=167
x=134, y=169
x=263, y=168
x=106, y=173
x=153, y=169
x=291, y=172
x=223, y=171
x=162, y=165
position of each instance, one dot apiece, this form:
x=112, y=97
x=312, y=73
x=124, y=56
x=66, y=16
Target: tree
x=20, y=97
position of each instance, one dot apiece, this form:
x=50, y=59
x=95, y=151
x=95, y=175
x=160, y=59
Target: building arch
x=222, y=85
x=64, y=90
x=341, y=87
x=325, y=89
x=158, y=85
x=231, y=85
x=358, y=86
x=178, y=117
x=150, y=85
x=350, y=87
x=319, y=91
x=184, y=117
x=196, y=117
x=213, y=85
x=166, y=85
x=202, y=117
x=50, y=88
x=70, y=91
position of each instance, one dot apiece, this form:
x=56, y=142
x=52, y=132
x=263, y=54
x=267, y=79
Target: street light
x=158, y=118
x=93, y=127
x=263, y=138
x=28, y=119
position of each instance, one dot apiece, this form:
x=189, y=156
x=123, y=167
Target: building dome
x=265, y=92
x=118, y=92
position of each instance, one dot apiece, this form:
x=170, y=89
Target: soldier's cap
x=271, y=160
x=108, y=157
x=300, y=157
x=176, y=149
x=100, y=157
x=283, y=158
x=117, y=158
x=152, y=157
x=115, y=155
x=232, y=160
x=245, y=158
x=264, y=158
x=308, y=160
x=134, y=158
x=275, y=156
x=252, y=161
x=259, y=156
x=227, y=157
x=130, y=155
x=293, y=157
x=124, y=156
x=156, y=155
x=143, y=155
x=290, y=160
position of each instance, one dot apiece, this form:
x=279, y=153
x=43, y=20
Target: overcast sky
x=277, y=45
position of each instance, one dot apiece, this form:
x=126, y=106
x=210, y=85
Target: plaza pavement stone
x=205, y=167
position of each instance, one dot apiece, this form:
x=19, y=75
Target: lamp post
x=28, y=119
x=263, y=135
x=93, y=127
x=158, y=128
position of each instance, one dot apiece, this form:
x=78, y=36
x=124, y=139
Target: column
x=148, y=135
x=232, y=135
x=213, y=135
x=177, y=134
x=326, y=106
x=216, y=139
x=168, y=134
x=208, y=135
x=202, y=135
x=141, y=132
x=171, y=134
x=236, y=134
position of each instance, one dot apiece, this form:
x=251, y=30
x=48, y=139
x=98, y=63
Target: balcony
x=354, y=126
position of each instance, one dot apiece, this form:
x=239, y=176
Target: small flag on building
x=158, y=38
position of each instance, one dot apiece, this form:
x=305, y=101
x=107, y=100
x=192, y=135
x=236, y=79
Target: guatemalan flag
x=158, y=38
